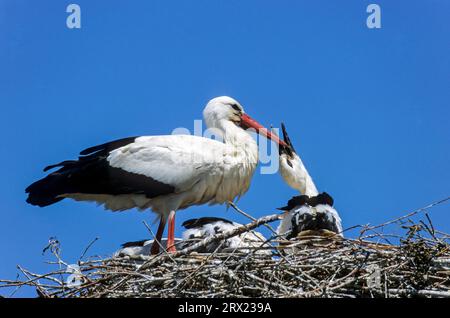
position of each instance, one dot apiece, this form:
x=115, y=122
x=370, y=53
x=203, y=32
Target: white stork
x=310, y=211
x=199, y=229
x=162, y=173
x=143, y=247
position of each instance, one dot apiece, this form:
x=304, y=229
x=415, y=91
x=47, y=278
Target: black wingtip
x=327, y=199
x=50, y=167
x=299, y=200
x=295, y=201
x=41, y=201
x=197, y=223
x=42, y=192
x=134, y=244
x=90, y=150
x=64, y=163
x=108, y=146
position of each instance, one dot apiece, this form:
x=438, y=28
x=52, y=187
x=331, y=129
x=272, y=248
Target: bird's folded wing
x=176, y=160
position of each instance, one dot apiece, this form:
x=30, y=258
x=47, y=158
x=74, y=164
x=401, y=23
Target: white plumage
x=199, y=229
x=162, y=173
x=201, y=170
x=304, y=218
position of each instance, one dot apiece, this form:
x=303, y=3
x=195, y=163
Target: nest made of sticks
x=308, y=266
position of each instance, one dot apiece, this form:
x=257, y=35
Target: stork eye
x=236, y=107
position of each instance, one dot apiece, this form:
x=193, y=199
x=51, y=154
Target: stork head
x=225, y=109
x=292, y=169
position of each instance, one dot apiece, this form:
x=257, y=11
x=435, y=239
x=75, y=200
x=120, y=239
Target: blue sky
x=368, y=110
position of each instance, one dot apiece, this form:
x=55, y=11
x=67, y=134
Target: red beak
x=248, y=122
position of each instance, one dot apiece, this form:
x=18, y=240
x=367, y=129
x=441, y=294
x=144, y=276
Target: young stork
x=309, y=212
x=143, y=247
x=199, y=229
x=162, y=173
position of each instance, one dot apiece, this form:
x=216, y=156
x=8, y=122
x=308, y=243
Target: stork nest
x=418, y=265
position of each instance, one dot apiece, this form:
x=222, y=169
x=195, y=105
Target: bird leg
x=171, y=235
x=159, y=234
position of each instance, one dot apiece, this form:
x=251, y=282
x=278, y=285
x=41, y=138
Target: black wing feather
x=108, y=146
x=294, y=202
x=299, y=200
x=134, y=243
x=200, y=222
x=92, y=174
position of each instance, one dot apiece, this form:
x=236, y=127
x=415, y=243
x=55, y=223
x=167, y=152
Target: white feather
x=297, y=177
x=248, y=239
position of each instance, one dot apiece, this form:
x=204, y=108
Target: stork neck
x=242, y=141
x=306, y=187
x=310, y=187
x=235, y=135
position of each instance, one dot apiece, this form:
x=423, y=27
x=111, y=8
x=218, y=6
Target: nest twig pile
x=309, y=266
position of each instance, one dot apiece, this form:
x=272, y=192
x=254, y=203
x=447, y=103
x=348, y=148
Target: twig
x=87, y=248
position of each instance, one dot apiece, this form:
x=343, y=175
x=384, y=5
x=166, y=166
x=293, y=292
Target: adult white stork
x=310, y=211
x=162, y=173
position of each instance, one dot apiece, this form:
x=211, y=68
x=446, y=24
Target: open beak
x=248, y=122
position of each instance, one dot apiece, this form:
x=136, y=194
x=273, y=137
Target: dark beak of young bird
x=289, y=148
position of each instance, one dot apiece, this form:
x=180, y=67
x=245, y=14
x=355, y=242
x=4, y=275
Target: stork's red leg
x=171, y=235
x=159, y=234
